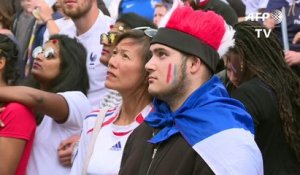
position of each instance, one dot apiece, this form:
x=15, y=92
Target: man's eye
x=161, y=54
x=114, y=52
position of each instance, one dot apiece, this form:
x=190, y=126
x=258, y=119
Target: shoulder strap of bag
x=97, y=127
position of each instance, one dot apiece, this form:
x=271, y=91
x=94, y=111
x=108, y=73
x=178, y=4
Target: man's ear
x=2, y=62
x=195, y=64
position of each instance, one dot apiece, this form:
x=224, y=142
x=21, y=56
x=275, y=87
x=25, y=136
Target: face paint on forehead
x=54, y=41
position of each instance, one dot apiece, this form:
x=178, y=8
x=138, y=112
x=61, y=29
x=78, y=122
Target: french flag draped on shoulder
x=215, y=125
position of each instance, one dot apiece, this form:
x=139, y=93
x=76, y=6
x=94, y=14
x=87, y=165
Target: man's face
x=76, y=8
x=117, y=29
x=28, y=5
x=167, y=72
x=159, y=12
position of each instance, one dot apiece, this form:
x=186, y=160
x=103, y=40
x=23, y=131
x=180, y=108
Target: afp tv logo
x=276, y=15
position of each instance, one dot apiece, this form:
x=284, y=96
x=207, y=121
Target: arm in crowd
x=45, y=13
x=66, y=149
x=52, y=104
x=11, y=150
x=292, y=58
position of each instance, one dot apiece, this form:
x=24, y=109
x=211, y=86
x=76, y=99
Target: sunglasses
x=108, y=39
x=150, y=32
x=48, y=52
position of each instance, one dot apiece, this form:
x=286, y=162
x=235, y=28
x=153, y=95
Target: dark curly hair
x=9, y=52
x=139, y=37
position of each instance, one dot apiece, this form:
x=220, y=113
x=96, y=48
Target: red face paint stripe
x=169, y=73
x=54, y=41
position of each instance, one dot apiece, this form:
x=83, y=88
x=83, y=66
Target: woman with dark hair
x=124, y=23
x=60, y=73
x=270, y=90
x=69, y=78
x=112, y=98
x=101, y=153
x=17, y=131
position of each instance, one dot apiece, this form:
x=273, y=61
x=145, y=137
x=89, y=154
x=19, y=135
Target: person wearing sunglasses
x=123, y=23
x=130, y=54
x=18, y=128
x=108, y=39
x=112, y=98
x=60, y=82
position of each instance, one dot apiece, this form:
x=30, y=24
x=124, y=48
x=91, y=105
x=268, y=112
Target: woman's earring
x=242, y=66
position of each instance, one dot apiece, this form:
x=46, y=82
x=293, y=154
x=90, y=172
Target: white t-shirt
x=91, y=41
x=63, y=24
x=113, y=8
x=43, y=159
x=253, y=5
x=109, y=145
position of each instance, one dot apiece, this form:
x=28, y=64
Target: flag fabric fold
x=206, y=117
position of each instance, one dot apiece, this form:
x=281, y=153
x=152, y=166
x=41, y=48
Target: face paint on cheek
x=169, y=75
x=174, y=74
x=233, y=69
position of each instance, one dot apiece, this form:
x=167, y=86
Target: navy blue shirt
x=293, y=25
x=293, y=21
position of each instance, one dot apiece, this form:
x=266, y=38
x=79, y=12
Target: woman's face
x=46, y=66
x=234, y=68
x=107, y=40
x=126, y=72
